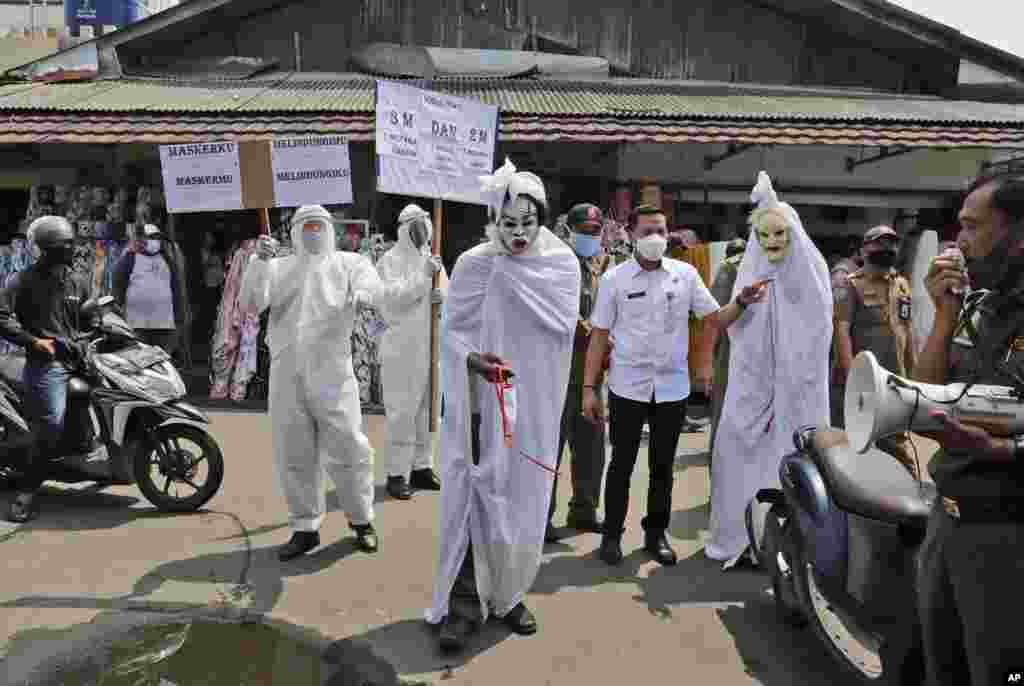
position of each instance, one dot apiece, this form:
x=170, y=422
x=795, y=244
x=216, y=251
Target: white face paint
x=518, y=225
x=773, y=235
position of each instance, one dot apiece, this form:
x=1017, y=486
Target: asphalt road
x=93, y=555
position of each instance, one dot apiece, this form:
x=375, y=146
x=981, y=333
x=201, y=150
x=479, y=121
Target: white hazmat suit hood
x=778, y=373
x=314, y=394
x=405, y=345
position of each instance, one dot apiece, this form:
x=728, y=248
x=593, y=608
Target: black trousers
x=969, y=579
x=586, y=441
x=626, y=422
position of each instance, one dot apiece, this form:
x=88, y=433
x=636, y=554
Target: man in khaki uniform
x=586, y=440
x=872, y=312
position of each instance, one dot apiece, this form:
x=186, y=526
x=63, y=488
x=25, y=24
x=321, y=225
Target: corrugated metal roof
x=161, y=110
x=330, y=93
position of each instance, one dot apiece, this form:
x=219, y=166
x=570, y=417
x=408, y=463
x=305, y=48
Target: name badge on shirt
x=903, y=309
x=634, y=296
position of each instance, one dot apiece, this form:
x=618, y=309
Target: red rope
x=500, y=386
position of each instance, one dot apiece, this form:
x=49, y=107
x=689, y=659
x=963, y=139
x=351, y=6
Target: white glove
x=436, y=296
x=266, y=247
x=432, y=266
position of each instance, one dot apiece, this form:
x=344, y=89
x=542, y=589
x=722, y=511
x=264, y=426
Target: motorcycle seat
x=872, y=485
x=11, y=368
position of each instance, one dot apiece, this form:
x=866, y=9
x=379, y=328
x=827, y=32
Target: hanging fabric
x=228, y=333
x=699, y=256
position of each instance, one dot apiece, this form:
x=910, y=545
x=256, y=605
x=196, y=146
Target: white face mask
x=773, y=236
x=312, y=239
x=652, y=248
x=519, y=225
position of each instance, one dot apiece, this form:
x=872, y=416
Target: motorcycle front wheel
x=859, y=652
x=180, y=469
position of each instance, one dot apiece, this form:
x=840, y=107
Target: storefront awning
x=555, y=111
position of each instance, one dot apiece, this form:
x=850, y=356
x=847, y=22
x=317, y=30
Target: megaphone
x=879, y=403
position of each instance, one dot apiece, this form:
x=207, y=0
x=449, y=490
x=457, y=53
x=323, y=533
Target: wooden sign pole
x=264, y=221
x=435, y=322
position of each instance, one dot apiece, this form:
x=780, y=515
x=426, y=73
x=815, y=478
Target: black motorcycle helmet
x=55, y=239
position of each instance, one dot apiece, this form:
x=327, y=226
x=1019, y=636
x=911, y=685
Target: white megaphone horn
x=879, y=403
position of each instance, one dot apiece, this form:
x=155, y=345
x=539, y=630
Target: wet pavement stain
x=199, y=654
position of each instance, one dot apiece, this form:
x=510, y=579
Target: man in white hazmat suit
x=513, y=302
x=778, y=369
x=405, y=356
x=314, y=394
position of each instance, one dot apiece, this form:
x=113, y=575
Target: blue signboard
x=119, y=13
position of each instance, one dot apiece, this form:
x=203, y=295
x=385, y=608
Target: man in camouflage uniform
x=586, y=439
x=722, y=290
x=872, y=312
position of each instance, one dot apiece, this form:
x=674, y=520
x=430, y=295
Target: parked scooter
x=840, y=543
x=126, y=397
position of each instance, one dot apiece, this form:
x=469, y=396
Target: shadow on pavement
x=256, y=574
x=692, y=458
x=586, y=571
x=686, y=525
x=697, y=580
x=776, y=654
x=410, y=647
x=85, y=508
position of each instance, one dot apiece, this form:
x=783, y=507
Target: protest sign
x=432, y=144
x=201, y=177
x=311, y=170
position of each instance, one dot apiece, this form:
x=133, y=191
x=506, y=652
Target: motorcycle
x=126, y=422
x=840, y=542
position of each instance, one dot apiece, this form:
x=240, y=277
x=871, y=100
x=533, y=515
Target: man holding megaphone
x=972, y=561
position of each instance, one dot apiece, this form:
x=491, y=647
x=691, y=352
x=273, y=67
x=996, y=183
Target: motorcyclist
x=39, y=310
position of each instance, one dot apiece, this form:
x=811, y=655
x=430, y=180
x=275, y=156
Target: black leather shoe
x=425, y=480
x=398, y=488
x=551, y=535
x=521, y=620
x=656, y=543
x=300, y=544
x=454, y=632
x=23, y=508
x=591, y=524
x=611, y=550
x=366, y=538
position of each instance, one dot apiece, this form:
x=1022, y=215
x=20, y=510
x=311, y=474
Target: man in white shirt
x=645, y=305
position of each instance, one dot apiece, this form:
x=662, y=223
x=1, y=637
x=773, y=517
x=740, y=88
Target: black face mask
x=998, y=271
x=59, y=256
x=883, y=259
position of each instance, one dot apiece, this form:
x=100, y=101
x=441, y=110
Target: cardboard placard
x=433, y=145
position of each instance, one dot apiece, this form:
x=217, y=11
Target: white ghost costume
x=314, y=393
x=778, y=375
x=405, y=348
x=522, y=308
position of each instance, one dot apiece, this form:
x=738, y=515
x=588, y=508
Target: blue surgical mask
x=152, y=247
x=586, y=246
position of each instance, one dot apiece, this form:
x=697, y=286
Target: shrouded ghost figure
x=512, y=301
x=778, y=367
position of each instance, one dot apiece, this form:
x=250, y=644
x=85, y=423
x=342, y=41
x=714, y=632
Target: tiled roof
x=161, y=110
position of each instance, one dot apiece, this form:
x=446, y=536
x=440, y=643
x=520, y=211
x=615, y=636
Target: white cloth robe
x=778, y=381
x=523, y=309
